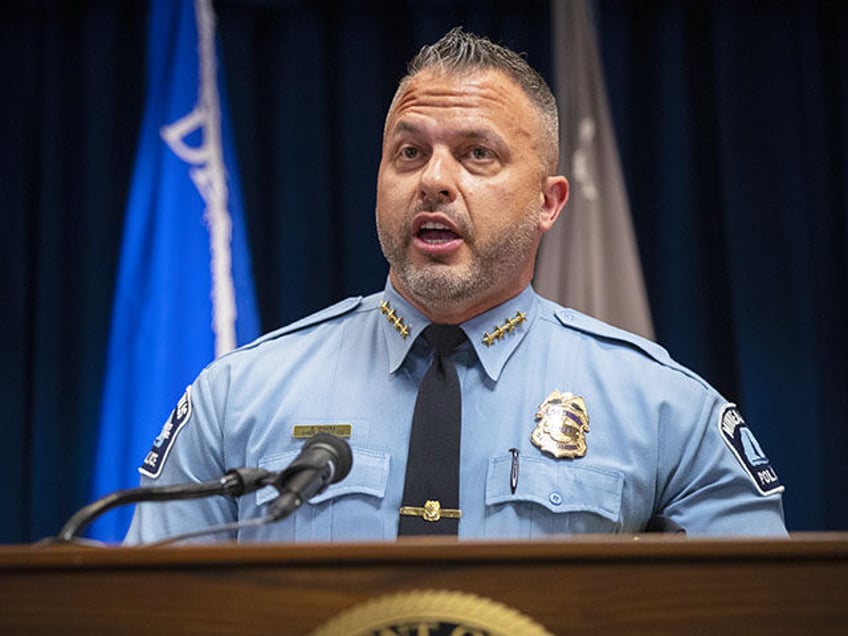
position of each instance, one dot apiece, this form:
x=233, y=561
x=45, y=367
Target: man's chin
x=439, y=283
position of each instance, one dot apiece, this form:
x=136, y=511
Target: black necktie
x=431, y=490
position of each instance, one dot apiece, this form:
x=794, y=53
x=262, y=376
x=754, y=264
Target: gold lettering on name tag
x=305, y=431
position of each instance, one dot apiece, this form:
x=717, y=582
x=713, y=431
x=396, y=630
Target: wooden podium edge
x=580, y=548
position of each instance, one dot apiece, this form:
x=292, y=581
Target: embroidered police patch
x=155, y=458
x=744, y=445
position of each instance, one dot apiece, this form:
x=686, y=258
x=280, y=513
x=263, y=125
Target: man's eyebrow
x=472, y=134
x=404, y=126
x=484, y=135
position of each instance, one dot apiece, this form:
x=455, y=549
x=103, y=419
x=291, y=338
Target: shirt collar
x=401, y=325
x=494, y=334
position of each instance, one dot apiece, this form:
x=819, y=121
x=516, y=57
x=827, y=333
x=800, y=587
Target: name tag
x=305, y=431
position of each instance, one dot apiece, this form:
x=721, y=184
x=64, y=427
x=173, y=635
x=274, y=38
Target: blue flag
x=184, y=292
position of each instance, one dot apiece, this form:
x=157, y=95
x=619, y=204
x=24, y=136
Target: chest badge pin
x=562, y=422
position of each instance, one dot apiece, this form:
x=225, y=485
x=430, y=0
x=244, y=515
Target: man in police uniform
x=568, y=424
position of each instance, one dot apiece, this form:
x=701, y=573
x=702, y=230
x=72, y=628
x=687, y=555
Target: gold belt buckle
x=432, y=511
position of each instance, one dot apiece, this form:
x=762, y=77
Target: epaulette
x=573, y=319
x=581, y=322
x=328, y=313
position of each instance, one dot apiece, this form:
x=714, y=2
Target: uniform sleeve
x=188, y=449
x=715, y=479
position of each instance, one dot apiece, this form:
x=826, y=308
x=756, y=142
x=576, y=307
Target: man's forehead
x=476, y=90
x=437, y=84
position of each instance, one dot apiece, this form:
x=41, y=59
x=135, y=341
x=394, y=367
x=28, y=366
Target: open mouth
x=434, y=233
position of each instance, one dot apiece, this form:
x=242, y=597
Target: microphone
x=237, y=482
x=324, y=459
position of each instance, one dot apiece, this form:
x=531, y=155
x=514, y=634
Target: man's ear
x=555, y=193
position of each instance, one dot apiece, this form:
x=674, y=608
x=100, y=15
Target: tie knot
x=444, y=338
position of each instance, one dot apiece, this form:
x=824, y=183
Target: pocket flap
x=368, y=475
x=558, y=485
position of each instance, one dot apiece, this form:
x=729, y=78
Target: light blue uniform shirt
x=661, y=441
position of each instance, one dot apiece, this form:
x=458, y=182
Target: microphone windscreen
x=338, y=448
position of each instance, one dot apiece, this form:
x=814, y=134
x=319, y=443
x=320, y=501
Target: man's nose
x=438, y=179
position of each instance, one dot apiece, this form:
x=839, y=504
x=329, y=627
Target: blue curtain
x=732, y=127
x=732, y=121
x=73, y=92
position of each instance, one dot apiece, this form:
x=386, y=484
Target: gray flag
x=589, y=260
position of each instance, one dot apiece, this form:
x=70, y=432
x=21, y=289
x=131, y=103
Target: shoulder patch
x=741, y=441
x=155, y=458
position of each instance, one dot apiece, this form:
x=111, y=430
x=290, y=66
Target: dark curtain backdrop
x=732, y=120
x=733, y=127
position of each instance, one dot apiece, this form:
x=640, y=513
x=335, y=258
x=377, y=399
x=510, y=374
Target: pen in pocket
x=513, y=471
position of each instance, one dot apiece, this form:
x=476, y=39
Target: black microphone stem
x=236, y=482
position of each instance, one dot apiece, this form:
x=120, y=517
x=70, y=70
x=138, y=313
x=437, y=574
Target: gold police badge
x=561, y=425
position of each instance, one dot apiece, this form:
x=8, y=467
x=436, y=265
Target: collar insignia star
x=508, y=326
x=394, y=319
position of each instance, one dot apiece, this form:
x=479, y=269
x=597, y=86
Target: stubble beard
x=441, y=287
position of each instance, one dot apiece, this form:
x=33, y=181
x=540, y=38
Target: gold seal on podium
x=431, y=612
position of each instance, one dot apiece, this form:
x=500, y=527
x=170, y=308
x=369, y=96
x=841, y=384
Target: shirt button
x=555, y=498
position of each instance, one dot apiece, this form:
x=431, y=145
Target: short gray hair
x=461, y=52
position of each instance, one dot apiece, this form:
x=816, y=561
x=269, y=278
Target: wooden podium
x=649, y=584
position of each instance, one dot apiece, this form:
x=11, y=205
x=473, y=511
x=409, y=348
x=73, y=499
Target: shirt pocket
x=551, y=497
x=346, y=511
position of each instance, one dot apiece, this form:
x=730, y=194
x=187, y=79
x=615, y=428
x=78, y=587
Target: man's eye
x=409, y=152
x=479, y=153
